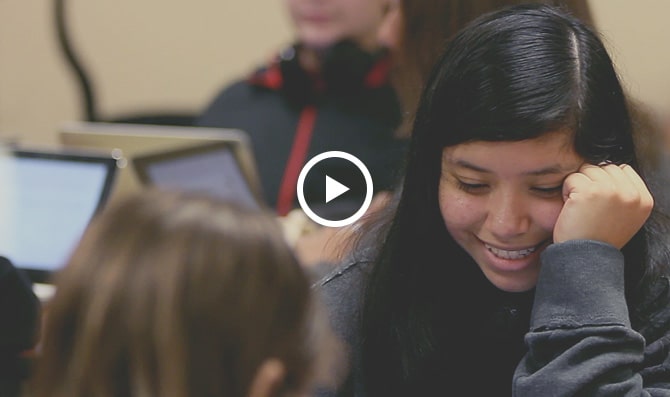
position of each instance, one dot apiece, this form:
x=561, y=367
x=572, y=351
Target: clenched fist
x=607, y=203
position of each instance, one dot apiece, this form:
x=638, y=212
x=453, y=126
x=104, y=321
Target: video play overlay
x=336, y=188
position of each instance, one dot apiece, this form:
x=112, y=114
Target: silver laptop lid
x=140, y=139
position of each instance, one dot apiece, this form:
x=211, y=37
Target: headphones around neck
x=344, y=71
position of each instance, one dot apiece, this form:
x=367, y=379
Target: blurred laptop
x=140, y=140
x=214, y=169
x=47, y=199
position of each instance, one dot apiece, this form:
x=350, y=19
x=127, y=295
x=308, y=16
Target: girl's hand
x=607, y=203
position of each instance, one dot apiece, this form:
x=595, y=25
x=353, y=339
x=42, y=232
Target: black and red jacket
x=292, y=116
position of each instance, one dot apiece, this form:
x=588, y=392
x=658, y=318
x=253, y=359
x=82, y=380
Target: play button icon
x=334, y=189
x=348, y=189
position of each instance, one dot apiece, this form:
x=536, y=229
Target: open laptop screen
x=138, y=140
x=211, y=169
x=47, y=200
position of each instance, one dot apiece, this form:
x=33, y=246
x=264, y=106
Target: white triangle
x=334, y=189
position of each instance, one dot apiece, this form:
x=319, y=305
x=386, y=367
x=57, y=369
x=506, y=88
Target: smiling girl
x=523, y=256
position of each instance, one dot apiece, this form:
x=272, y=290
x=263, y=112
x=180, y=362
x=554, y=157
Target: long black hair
x=511, y=75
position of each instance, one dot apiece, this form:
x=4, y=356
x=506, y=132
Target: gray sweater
x=580, y=342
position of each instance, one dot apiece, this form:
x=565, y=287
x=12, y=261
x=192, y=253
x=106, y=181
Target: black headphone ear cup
x=344, y=70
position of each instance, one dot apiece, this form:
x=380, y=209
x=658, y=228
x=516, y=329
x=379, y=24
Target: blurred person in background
x=329, y=90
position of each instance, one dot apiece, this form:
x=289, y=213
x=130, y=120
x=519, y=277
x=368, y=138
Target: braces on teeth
x=510, y=254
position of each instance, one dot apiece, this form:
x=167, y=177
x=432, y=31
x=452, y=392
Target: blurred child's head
x=176, y=295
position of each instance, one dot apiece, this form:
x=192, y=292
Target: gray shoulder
x=341, y=291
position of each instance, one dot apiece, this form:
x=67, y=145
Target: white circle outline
x=368, y=189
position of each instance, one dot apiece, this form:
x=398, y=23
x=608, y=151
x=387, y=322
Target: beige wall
x=141, y=54
x=162, y=54
x=637, y=35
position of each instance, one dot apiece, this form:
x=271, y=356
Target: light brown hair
x=177, y=295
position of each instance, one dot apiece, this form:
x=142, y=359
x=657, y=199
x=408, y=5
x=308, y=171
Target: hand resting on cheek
x=607, y=203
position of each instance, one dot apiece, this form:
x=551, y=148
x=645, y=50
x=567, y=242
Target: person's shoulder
x=237, y=89
x=261, y=78
x=352, y=272
x=345, y=282
x=235, y=97
x=19, y=306
x=345, y=274
x=341, y=291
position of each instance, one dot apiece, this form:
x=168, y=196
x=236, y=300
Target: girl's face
x=500, y=201
x=321, y=23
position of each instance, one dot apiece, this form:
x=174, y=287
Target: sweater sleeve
x=580, y=340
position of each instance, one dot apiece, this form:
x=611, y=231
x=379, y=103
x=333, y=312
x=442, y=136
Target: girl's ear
x=268, y=378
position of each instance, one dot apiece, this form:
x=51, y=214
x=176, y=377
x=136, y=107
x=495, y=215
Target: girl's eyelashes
x=471, y=187
x=549, y=190
x=482, y=187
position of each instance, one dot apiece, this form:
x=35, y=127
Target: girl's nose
x=508, y=216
